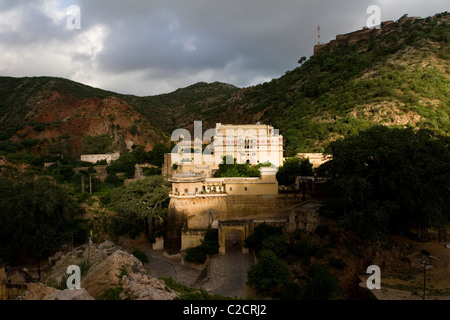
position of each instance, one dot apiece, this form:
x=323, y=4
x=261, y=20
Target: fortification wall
x=353, y=37
x=202, y=212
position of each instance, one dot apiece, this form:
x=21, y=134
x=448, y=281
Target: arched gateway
x=232, y=235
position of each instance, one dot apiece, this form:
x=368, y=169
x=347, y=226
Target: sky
x=150, y=47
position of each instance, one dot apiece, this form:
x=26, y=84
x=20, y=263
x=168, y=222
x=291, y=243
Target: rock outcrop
x=138, y=286
x=68, y=294
x=38, y=291
x=103, y=267
x=108, y=273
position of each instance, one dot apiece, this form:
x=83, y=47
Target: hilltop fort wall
x=364, y=34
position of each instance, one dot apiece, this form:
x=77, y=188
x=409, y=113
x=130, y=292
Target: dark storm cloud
x=148, y=47
x=256, y=35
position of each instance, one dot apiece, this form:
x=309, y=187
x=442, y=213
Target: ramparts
x=364, y=34
x=194, y=213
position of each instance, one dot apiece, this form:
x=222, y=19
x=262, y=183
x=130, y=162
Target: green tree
x=268, y=273
x=262, y=232
x=37, y=215
x=139, y=204
x=389, y=180
x=323, y=285
x=292, y=168
x=140, y=155
x=126, y=164
x=229, y=168
x=97, y=144
x=156, y=155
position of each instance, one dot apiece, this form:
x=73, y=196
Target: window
x=186, y=191
x=231, y=189
x=196, y=189
x=245, y=188
x=176, y=190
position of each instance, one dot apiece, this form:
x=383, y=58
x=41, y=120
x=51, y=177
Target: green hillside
x=179, y=109
x=399, y=78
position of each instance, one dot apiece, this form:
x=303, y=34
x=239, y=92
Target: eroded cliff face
x=59, y=117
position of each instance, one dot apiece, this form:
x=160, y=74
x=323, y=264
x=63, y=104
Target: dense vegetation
x=292, y=168
x=275, y=274
x=389, y=180
x=334, y=94
x=138, y=205
x=230, y=168
x=400, y=77
x=32, y=227
x=45, y=202
x=179, y=109
x=209, y=247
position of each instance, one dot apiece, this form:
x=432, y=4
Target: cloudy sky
x=156, y=46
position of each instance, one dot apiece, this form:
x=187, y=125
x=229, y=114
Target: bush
x=276, y=243
x=112, y=293
x=302, y=249
x=323, y=285
x=261, y=233
x=268, y=273
x=141, y=255
x=197, y=254
x=290, y=291
x=209, y=246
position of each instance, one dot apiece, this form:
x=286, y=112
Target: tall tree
x=156, y=155
x=140, y=203
x=292, y=168
x=37, y=216
x=389, y=180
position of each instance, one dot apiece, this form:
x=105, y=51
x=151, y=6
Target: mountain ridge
x=399, y=77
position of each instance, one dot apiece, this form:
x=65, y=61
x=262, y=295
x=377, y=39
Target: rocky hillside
x=398, y=75
x=51, y=115
x=107, y=273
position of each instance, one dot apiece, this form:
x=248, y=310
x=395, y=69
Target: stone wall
x=204, y=212
x=353, y=37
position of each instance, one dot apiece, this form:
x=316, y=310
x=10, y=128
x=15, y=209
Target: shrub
x=290, y=291
x=323, y=285
x=112, y=293
x=209, y=246
x=261, y=232
x=268, y=273
x=197, y=254
x=141, y=255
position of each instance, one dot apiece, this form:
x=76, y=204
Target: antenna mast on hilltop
x=318, y=35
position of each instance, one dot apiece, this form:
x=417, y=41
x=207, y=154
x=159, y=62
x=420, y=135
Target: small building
x=93, y=158
x=316, y=159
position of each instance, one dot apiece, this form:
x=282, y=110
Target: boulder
x=69, y=294
x=108, y=272
x=37, y=291
x=138, y=286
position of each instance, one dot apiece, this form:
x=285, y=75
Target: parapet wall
x=353, y=37
x=204, y=212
